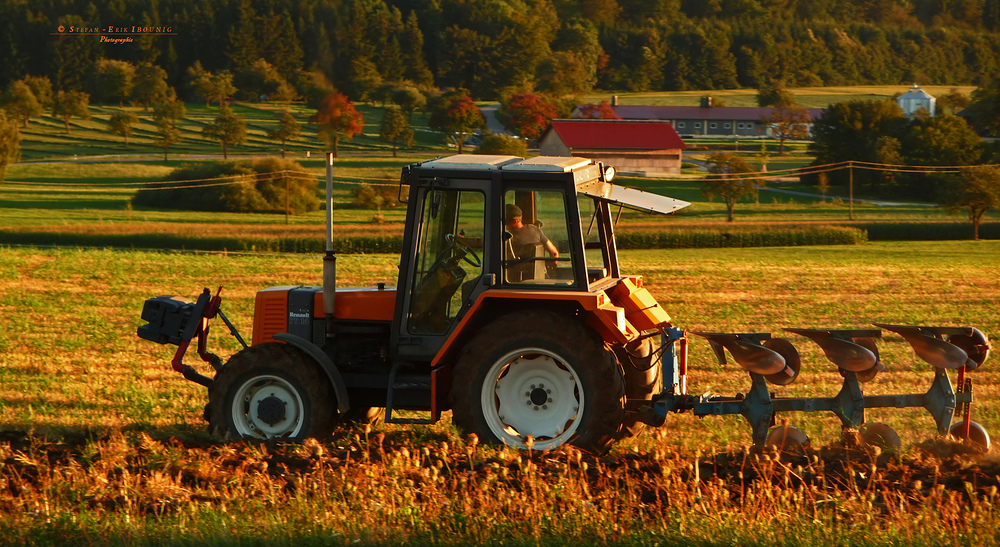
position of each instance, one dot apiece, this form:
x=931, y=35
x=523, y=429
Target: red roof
x=617, y=134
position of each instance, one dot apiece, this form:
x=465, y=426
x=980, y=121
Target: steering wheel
x=466, y=251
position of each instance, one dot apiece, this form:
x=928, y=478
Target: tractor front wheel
x=270, y=391
x=537, y=379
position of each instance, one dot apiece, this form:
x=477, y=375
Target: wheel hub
x=538, y=396
x=532, y=393
x=271, y=410
x=267, y=406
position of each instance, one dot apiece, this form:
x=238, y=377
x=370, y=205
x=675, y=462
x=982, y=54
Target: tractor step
x=407, y=391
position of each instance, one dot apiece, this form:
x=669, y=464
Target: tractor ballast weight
x=511, y=311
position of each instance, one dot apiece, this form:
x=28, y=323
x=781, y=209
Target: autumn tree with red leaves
x=603, y=111
x=336, y=117
x=527, y=114
x=457, y=116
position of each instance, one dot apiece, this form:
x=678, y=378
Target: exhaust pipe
x=329, y=260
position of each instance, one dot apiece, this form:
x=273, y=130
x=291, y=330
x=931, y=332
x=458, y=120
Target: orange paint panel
x=270, y=314
x=361, y=304
x=641, y=309
x=588, y=301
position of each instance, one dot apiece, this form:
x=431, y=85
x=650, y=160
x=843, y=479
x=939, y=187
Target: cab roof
x=589, y=179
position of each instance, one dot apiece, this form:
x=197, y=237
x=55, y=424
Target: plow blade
x=928, y=345
x=840, y=348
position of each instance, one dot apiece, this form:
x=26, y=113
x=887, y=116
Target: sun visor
x=632, y=198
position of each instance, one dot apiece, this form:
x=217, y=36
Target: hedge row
x=351, y=245
x=675, y=237
x=740, y=236
x=926, y=231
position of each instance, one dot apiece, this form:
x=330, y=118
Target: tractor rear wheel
x=537, y=379
x=270, y=391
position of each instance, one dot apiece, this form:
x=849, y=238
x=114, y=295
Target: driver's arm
x=551, y=248
x=474, y=242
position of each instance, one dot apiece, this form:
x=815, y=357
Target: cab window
x=449, y=258
x=536, y=246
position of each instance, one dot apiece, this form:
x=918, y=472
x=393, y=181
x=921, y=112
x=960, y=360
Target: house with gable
x=639, y=147
x=916, y=99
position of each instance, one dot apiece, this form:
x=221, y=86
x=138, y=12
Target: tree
x=171, y=109
x=985, y=108
x=121, y=124
x=150, y=85
x=113, y=80
x=166, y=114
x=527, y=115
x=168, y=135
x=774, y=93
x=978, y=191
x=603, y=111
x=457, y=116
x=409, y=99
x=412, y=42
x=20, y=102
x=200, y=81
x=498, y=144
x=70, y=104
x=729, y=181
x=952, y=102
x=395, y=129
x=228, y=128
x=941, y=140
x=788, y=121
x=221, y=87
x=10, y=143
x=41, y=87
x=337, y=118
x=287, y=130
x=313, y=85
x=262, y=81
x=851, y=131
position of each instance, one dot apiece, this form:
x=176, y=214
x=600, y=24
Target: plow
x=771, y=361
x=512, y=312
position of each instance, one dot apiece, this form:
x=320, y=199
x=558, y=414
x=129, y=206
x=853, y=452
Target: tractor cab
x=486, y=228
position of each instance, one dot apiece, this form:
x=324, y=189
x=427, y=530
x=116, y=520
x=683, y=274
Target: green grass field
x=101, y=442
x=810, y=97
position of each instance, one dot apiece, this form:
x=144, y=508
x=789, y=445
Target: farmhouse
x=708, y=120
x=915, y=100
x=641, y=147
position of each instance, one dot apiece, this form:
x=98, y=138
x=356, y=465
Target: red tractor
x=511, y=311
x=527, y=331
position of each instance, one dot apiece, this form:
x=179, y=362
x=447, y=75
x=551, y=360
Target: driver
x=524, y=237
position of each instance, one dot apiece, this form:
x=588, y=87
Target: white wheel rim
x=258, y=395
x=533, y=393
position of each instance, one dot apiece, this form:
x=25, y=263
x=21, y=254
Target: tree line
x=273, y=48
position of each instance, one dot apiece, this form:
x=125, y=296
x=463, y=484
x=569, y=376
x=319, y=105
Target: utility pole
x=850, y=201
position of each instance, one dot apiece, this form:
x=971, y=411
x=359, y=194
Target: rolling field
x=100, y=442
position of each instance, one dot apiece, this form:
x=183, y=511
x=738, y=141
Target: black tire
x=641, y=368
x=504, y=370
x=271, y=391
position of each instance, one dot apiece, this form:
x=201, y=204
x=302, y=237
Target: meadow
x=101, y=442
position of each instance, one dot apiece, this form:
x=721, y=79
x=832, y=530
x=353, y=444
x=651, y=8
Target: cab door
x=443, y=264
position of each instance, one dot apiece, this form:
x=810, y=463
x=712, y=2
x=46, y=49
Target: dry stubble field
x=101, y=442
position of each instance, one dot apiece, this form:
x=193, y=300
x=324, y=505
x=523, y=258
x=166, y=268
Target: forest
x=493, y=48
